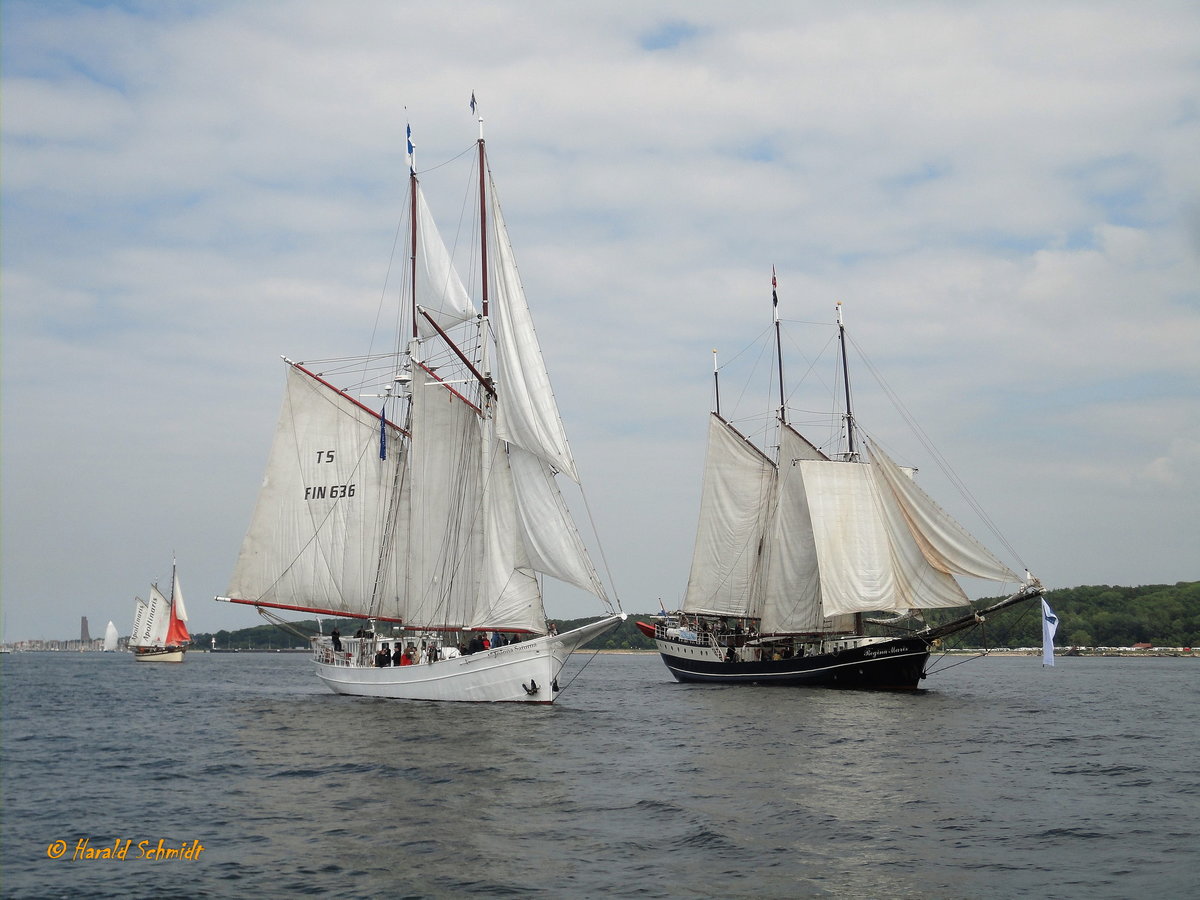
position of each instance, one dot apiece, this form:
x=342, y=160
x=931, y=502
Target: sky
x=1005, y=198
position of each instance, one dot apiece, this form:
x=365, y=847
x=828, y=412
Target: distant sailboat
x=160, y=626
x=110, y=637
x=436, y=516
x=793, y=547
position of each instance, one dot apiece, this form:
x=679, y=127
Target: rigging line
x=937, y=456
x=603, y=557
x=945, y=668
x=471, y=149
x=562, y=689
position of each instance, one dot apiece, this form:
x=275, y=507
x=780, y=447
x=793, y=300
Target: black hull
x=889, y=665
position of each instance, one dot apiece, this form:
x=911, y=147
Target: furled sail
x=315, y=536
x=736, y=502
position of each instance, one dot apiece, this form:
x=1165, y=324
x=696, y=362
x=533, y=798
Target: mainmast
x=483, y=250
x=412, y=197
x=778, y=349
x=851, y=450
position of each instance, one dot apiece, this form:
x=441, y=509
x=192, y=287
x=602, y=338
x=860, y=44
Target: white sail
x=791, y=586
x=438, y=288
x=110, y=637
x=177, y=599
x=528, y=414
x=511, y=598
x=445, y=565
x=315, y=536
x=552, y=541
x=159, y=618
x=945, y=544
x=140, y=634
x=736, y=502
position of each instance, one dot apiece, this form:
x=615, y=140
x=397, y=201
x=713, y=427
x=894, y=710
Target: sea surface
x=1002, y=779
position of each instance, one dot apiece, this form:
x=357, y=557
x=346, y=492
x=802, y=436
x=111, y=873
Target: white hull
x=150, y=654
x=516, y=673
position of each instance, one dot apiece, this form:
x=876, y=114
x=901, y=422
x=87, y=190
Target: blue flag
x=472, y=102
x=412, y=152
x=383, y=432
x=1049, y=626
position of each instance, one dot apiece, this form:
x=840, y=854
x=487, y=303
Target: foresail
x=527, y=413
x=866, y=563
x=736, y=504
x=945, y=544
x=511, y=598
x=177, y=599
x=315, y=536
x=439, y=290
x=177, y=632
x=551, y=539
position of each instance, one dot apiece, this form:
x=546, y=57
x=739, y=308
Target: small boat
x=160, y=625
x=796, y=546
x=433, y=516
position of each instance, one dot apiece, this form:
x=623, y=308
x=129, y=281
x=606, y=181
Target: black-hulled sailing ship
x=798, y=550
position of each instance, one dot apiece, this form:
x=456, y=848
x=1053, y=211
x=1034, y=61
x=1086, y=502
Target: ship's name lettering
x=329, y=492
x=890, y=651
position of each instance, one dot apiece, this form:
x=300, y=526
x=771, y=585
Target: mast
x=716, y=383
x=852, y=451
x=778, y=349
x=483, y=254
x=412, y=228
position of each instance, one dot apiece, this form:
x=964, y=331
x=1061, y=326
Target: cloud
x=1004, y=197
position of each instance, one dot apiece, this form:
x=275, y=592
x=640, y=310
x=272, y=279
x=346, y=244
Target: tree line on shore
x=1089, y=616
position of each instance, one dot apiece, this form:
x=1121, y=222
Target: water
x=1003, y=780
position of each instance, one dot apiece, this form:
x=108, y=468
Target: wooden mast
x=852, y=451
x=483, y=251
x=412, y=228
x=778, y=349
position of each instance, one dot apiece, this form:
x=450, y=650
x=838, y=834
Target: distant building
x=84, y=636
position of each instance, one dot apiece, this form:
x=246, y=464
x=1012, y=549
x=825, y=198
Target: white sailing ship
x=433, y=519
x=111, y=637
x=160, y=625
x=794, y=546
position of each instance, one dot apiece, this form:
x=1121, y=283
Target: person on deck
x=397, y=655
x=335, y=638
